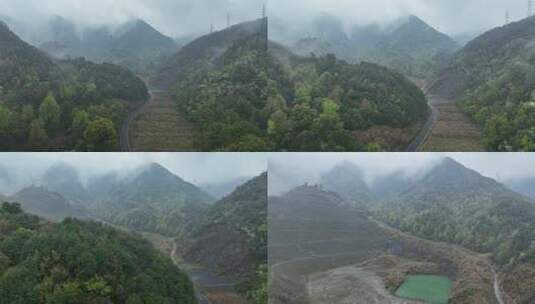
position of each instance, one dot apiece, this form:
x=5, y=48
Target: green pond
x=428, y=288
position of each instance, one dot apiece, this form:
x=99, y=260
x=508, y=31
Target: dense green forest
x=66, y=105
x=317, y=104
x=227, y=102
x=494, y=79
x=254, y=102
x=82, y=262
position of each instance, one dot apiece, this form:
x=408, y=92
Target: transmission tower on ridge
x=264, y=13
x=507, y=17
x=530, y=8
x=228, y=19
x=211, y=28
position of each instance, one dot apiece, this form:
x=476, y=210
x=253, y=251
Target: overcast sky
x=288, y=170
x=172, y=17
x=450, y=16
x=184, y=17
x=197, y=168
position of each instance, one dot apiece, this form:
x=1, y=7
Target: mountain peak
x=450, y=173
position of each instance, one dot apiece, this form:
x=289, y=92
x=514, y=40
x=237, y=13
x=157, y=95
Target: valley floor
x=453, y=131
x=158, y=126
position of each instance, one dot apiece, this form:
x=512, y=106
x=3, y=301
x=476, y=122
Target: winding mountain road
x=426, y=130
x=125, y=128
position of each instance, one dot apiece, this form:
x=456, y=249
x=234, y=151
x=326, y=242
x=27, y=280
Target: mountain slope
x=220, y=85
x=134, y=44
x=493, y=78
x=201, y=53
x=80, y=262
x=242, y=215
x=18, y=59
x=155, y=201
x=77, y=94
x=47, y=204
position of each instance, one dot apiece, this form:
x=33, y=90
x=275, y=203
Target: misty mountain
x=231, y=236
x=224, y=188
x=155, y=200
x=347, y=180
x=525, y=186
x=408, y=45
x=387, y=187
x=64, y=178
x=45, y=203
x=493, y=78
x=202, y=53
x=18, y=58
x=486, y=58
x=134, y=44
x=101, y=186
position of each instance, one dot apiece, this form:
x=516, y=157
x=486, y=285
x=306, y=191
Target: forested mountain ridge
x=326, y=104
x=493, y=77
x=82, y=262
x=222, y=87
x=73, y=104
x=20, y=62
x=155, y=200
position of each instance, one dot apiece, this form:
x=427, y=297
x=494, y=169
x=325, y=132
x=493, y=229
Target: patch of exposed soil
x=390, y=139
x=350, y=285
x=515, y=283
x=453, y=131
x=160, y=127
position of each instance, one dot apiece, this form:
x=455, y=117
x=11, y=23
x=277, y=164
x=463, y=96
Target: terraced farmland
x=160, y=127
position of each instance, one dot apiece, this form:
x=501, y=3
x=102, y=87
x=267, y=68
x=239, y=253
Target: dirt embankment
x=518, y=284
x=471, y=273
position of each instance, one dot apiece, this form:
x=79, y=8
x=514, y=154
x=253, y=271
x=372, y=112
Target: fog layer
x=18, y=170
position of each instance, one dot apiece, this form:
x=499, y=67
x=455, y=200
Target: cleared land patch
x=161, y=127
x=453, y=130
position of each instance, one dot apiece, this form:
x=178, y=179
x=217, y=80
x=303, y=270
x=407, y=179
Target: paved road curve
x=126, y=145
x=125, y=128
x=428, y=127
